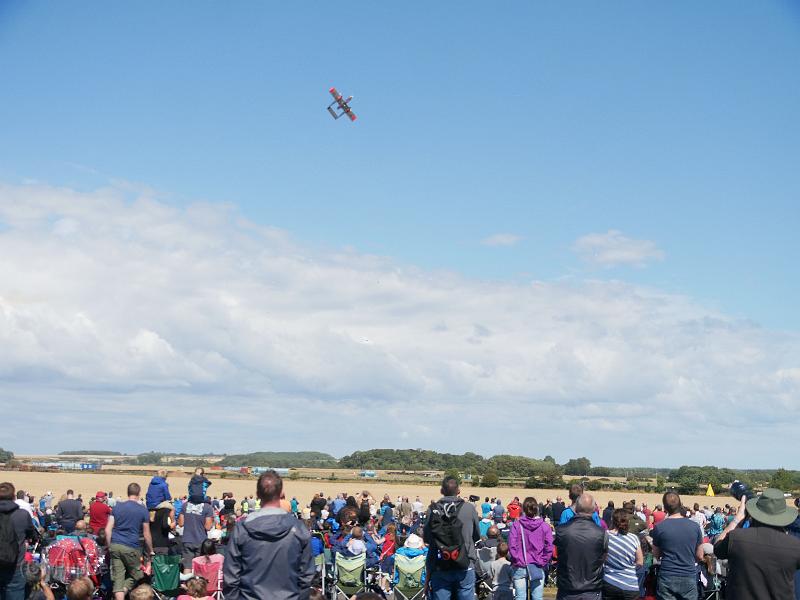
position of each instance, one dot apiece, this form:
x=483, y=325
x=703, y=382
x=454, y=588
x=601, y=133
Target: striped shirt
x=620, y=567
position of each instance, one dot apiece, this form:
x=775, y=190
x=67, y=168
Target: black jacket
x=558, y=508
x=582, y=547
x=762, y=562
x=23, y=526
x=268, y=556
x=69, y=511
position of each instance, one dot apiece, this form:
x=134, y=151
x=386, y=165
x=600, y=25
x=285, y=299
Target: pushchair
x=409, y=577
x=483, y=580
x=70, y=558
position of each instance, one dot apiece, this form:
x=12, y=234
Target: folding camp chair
x=166, y=577
x=349, y=575
x=409, y=577
x=211, y=571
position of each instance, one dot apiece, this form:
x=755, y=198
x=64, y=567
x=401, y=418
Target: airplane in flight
x=342, y=106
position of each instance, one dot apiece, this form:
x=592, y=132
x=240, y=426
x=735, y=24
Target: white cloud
x=612, y=248
x=501, y=239
x=161, y=326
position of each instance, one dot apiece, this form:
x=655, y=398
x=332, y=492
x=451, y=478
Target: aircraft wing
x=336, y=95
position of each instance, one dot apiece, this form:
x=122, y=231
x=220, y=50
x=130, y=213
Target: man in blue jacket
x=158, y=491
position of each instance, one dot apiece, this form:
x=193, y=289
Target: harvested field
x=88, y=484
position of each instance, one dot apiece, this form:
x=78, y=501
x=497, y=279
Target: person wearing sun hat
x=762, y=558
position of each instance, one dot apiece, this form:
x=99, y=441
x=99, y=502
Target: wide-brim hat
x=414, y=541
x=770, y=508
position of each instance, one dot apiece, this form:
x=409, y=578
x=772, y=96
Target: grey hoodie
x=268, y=556
x=470, y=531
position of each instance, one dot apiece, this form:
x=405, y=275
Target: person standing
x=530, y=542
x=575, y=491
x=268, y=554
x=451, y=562
x=196, y=520
x=581, y=547
x=608, y=514
x=99, y=512
x=620, y=576
x=558, y=507
x=762, y=559
x=68, y=512
x=128, y=521
x=15, y=527
x=678, y=542
x=515, y=509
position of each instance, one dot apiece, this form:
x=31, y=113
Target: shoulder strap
x=524, y=549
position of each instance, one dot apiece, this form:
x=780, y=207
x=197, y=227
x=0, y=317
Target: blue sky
x=670, y=130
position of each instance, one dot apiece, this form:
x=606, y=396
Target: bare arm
x=148, y=540
x=639, y=556
x=109, y=529
x=209, y=522
x=740, y=514
x=699, y=554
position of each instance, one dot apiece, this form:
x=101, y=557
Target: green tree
x=600, y=472
x=782, y=480
x=661, y=484
x=453, y=473
x=490, y=479
x=578, y=466
x=149, y=458
x=6, y=455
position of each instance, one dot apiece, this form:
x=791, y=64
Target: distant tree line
x=489, y=472
x=89, y=453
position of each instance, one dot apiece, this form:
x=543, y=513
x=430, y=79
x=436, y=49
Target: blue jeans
x=12, y=584
x=520, y=578
x=676, y=588
x=453, y=585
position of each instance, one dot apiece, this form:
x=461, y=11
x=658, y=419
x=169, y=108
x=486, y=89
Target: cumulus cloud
x=501, y=239
x=612, y=248
x=128, y=322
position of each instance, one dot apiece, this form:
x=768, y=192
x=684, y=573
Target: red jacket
x=514, y=509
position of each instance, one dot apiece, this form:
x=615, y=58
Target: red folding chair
x=210, y=569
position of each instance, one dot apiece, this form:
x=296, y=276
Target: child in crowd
x=142, y=592
x=355, y=544
x=80, y=589
x=502, y=582
x=196, y=587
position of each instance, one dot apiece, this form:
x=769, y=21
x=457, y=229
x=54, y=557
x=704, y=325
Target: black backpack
x=9, y=542
x=446, y=529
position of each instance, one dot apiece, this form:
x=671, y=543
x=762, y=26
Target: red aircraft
x=342, y=105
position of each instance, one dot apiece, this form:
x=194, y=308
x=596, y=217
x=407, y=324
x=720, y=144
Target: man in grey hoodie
x=453, y=583
x=269, y=553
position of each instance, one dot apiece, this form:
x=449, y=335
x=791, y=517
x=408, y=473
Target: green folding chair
x=409, y=574
x=350, y=575
x=166, y=578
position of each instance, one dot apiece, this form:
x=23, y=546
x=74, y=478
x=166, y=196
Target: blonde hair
x=357, y=533
x=197, y=588
x=80, y=589
x=142, y=592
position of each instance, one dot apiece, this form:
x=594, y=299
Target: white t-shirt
x=24, y=506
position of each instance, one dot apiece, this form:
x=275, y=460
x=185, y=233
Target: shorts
x=126, y=567
x=188, y=552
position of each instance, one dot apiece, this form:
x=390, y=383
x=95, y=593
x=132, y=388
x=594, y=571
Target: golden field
x=87, y=484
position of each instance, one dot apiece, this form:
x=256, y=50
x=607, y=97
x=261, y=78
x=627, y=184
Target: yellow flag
x=710, y=490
